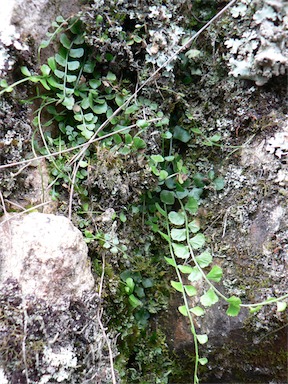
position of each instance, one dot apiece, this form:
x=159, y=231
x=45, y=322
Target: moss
x=115, y=180
x=38, y=328
x=270, y=363
x=15, y=136
x=195, y=93
x=144, y=354
x=148, y=360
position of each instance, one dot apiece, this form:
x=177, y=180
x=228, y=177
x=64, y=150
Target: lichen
x=116, y=180
x=258, y=42
x=216, y=104
x=15, y=136
x=9, y=40
x=132, y=33
x=51, y=344
x=278, y=144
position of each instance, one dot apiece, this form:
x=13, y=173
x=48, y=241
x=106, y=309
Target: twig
x=67, y=150
x=20, y=170
x=3, y=204
x=171, y=58
x=224, y=225
x=24, y=340
x=76, y=167
x=102, y=276
x=15, y=204
x=99, y=315
x=75, y=170
x=25, y=211
x=271, y=333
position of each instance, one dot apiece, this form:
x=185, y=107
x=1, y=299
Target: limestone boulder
x=47, y=255
x=50, y=324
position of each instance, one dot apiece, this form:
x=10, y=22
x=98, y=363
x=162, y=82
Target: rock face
x=49, y=315
x=47, y=255
x=259, y=51
x=23, y=19
x=248, y=225
x=49, y=328
x=27, y=15
x=44, y=343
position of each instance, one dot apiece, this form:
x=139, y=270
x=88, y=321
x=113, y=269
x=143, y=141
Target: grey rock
x=50, y=326
x=259, y=51
x=47, y=255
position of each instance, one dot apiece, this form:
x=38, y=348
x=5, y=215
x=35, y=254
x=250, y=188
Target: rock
x=27, y=15
x=50, y=327
x=47, y=255
x=21, y=20
x=250, y=246
x=259, y=52
x=42, y=343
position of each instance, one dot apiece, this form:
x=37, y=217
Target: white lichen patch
x=61, y=363
x=6, y=32
x=255, y=156
x=62, y=344
x=3, y=379
x=235, y=177
x=164, y=41
x=282, y=177
x=6, y=29
x=260, y=49
x=8, y=35
x=278, y=144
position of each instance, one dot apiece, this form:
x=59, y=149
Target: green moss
x=148, y=361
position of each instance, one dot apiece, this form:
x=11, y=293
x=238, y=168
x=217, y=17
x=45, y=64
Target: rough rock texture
x=49, y=317
x=28, y=18
x=47, y=255
x=23, y=26
x=247, y=227
x=163, y=23
x=258, y=45
x=42, y=343
x=246, y=223
x=26, y=184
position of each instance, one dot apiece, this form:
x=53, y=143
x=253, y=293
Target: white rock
x=47, y=255
x=64, y=360
x=3, y=379
x=6, y=29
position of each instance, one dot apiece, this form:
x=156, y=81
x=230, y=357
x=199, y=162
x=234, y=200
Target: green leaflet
x=197, y=241
x=204, y=259
x=234, y=306
x=183, y=310
x=215, y=274
x=176, y=218
x=190, y=290
x=178, y=234
x=197, y=311
x=177, y=285
x=209, y=298
x=181, y=250
x=202, y=339
x=167, y=197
